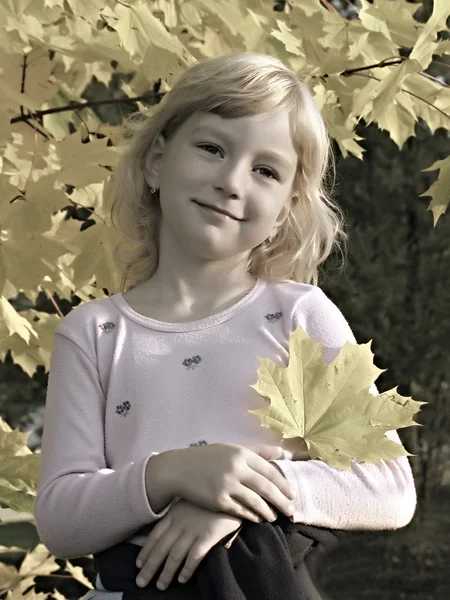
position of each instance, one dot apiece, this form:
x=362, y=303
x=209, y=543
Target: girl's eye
x=271, y=171
x=207, y=146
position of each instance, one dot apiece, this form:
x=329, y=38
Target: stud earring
x=152, y=190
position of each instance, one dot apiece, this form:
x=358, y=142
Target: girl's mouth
x=217, y=212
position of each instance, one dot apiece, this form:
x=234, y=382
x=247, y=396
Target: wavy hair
x=232, y=85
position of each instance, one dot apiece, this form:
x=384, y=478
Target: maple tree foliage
x=51, y=50
x=56, y=153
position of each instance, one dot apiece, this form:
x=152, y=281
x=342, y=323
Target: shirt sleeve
x=82, y=506
x=370, y=496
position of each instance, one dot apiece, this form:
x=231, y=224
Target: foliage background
x=393, y=290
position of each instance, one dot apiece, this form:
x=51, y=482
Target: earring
x=153, y=190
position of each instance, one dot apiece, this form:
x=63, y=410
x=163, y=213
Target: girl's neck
x=151, y=300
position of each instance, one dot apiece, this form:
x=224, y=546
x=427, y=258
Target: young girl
x=148, y=437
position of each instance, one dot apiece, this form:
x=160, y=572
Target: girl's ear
x=152, y=163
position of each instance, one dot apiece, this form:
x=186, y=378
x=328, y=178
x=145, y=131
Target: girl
x=221, y=197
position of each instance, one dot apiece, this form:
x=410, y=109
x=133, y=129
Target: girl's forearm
x=159, y=480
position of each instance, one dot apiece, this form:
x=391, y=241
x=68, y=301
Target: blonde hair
x=233, y=85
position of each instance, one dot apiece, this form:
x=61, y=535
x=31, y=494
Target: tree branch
x=379, y=65
x=24, y=69
x=383, y=63
x=387, y=62
x=79, y=106
x=27, y=122
x=329, y=6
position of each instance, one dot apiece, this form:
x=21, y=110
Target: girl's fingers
x=240, y=511
x=176, y=556
x=153, y=538
x=196, y=554
x=156, y=559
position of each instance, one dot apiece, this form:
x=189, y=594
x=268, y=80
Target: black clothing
x=266, y=561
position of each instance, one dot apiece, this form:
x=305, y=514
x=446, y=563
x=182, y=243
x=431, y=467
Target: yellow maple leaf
x=439, y=189
x=330, y=407
x=19, y=468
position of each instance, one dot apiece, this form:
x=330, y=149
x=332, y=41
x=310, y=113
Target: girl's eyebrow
x=273, y=155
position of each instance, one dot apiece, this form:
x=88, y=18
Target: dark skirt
x=266, y=561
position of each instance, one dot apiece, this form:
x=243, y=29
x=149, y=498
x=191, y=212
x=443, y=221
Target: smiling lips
x=219, y=210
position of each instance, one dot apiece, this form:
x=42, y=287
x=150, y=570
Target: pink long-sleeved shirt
x=123, y=387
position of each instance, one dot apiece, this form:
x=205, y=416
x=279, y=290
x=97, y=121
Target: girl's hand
x=232, y=479
x=186, y=530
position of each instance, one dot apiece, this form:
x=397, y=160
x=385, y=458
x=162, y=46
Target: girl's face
x=245, y=166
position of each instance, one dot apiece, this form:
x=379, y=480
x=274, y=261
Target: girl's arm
x=83, y=507
x=370, y=496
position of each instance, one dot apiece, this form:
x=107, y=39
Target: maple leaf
x=19, y=468
x=330, y=406
x=439, y=189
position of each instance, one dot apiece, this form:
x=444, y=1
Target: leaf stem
x=230, y=541
x=53, y=301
